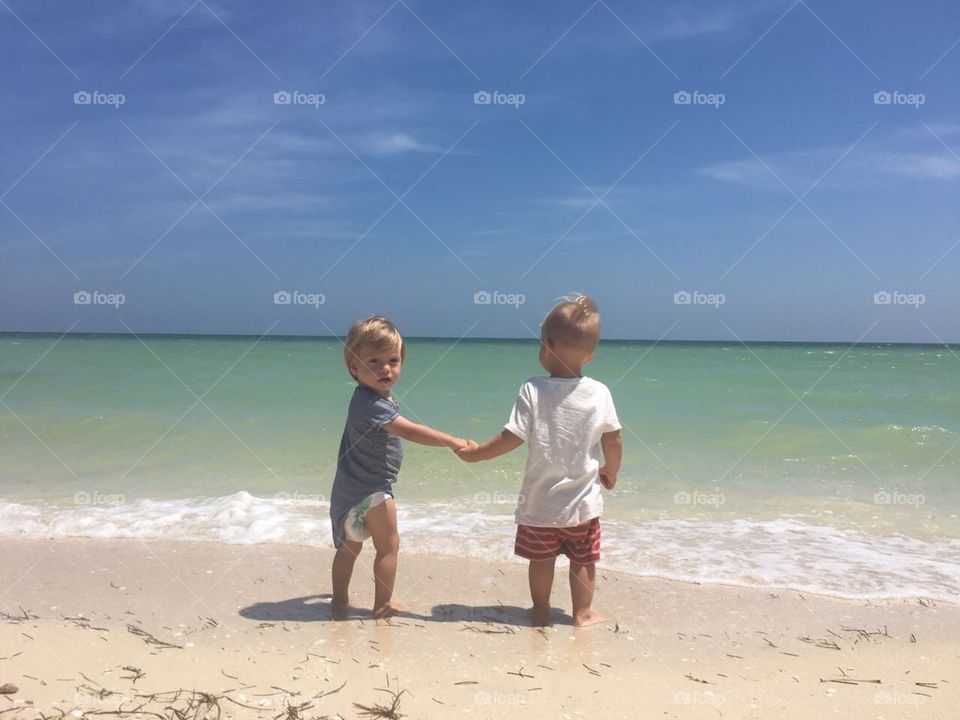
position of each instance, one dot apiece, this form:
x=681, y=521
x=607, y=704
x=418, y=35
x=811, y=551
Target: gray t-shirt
x=369, y=457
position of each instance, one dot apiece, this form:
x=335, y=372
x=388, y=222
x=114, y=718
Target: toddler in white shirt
x=565, y=419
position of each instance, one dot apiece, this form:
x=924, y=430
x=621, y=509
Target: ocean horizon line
x=447, y=338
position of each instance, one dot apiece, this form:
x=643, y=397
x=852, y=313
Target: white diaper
x=354, y=526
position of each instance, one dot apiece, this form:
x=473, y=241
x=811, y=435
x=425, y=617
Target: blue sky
x=782, y=210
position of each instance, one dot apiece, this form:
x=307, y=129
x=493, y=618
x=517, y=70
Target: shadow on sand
x=317, y=608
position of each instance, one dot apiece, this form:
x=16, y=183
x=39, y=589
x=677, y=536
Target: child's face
x=377, y=369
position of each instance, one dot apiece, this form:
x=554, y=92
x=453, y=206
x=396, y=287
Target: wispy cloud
x=684, y=23
x=393, y=144
x=940, y=166
x=906, y=152
x=687, y=20
x=741, y=172
x=249, y=202
x=581, y=199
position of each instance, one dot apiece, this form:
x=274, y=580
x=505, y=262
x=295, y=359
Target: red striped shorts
x=581, y=543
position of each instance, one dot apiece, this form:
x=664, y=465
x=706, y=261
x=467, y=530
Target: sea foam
x=785, y=552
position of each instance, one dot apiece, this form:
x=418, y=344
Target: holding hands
x=468, y=453
x=464, y=446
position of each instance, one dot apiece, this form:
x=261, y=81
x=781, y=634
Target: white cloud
x=249, y=202
x=742, y=172
x=941, y=166
x=393, y=144
x=910, y=152
x=681, y=24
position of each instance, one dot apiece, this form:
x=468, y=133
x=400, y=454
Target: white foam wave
x=781, y=553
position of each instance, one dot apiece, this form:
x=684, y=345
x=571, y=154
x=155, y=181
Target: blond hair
x=573, y=323
x=376, y=333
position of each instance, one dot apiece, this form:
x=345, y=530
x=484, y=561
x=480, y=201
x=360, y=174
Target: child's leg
x=541, y=583
x=583, y=582
x=381, y=521
x=342, y=571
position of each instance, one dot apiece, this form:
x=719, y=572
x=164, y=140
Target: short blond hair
x=376, y=333
x=573, y=323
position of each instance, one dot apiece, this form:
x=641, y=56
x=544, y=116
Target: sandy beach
x=153, y=629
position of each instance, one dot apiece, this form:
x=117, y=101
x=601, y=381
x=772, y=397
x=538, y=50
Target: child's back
x=562, y=421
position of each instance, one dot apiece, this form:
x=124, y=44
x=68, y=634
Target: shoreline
x=104, y=625
x=785, y=553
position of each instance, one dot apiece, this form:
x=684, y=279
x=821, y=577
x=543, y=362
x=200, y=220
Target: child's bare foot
x=340, y=607
x=587, y=618
x=540, y=617
x=389, y=609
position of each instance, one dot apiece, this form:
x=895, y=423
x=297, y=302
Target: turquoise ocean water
x=829, y=468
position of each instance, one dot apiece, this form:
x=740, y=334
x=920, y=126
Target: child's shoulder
x=544, y=384
x=548, y=381
x=364, y=398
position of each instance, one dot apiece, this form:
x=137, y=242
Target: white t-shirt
x=562, y=420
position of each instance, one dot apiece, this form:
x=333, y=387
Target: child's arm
x=612, y=445
x=494, y=447
x=414, y=432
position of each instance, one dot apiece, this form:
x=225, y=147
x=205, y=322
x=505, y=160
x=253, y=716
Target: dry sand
x=97, y=628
